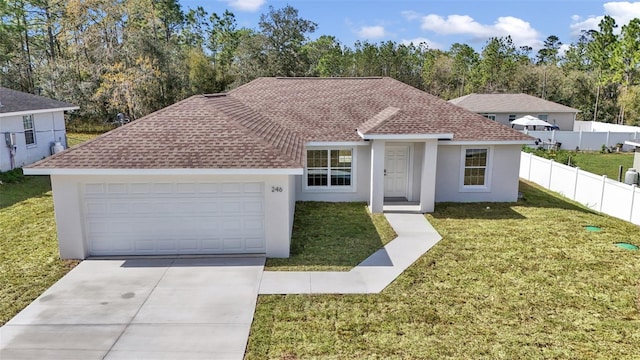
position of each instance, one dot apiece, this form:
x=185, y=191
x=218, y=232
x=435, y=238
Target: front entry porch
x=403, y=175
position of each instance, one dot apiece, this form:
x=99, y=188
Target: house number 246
x=276, y=189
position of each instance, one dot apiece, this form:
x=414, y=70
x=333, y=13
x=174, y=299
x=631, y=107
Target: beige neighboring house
x=221, y=173
x=505, y=108
x=29, y=126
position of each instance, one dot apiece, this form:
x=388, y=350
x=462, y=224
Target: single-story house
x=29, y=125
x=221, y=173
x=504, y=108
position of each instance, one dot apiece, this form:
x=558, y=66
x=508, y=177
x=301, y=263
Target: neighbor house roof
x=509, y=103
x=13, y=102
x=265, y=124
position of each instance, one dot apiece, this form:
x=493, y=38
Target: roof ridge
x=109, y=133
x=266, y=130
x=378, y=119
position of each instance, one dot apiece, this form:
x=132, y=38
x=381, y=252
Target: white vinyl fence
x=596, y=192
x=586, y=140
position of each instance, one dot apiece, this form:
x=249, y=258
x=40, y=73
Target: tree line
x=137, y=56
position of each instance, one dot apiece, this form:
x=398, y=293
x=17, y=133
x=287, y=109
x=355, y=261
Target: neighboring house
x=505, y=108
x=29, y=127
x=219, y=174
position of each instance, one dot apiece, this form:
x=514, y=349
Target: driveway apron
x=140, y=309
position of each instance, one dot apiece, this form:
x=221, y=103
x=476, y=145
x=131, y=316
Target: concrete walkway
x=415, y=237
x=140, y=309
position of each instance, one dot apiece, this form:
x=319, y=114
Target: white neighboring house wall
x=563, y=120
x=48, y=126
x=69, y=213
x=503, y=176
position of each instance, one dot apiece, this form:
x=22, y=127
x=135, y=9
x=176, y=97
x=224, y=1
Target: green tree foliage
x=138, y=56
x=285, y=33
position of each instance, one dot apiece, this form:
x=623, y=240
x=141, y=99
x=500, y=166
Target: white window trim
x=332, y=189
x=489, y=116
x=33, y=128
x=487, y=174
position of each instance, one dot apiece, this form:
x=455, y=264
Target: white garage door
x=174, y=218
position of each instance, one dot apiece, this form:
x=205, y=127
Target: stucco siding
x=504, y=175
x=361, y=175
x=69, y=211
x=49, y=127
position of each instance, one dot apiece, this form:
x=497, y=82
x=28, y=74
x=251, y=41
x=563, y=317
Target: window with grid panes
x=475, y=167
x=329, y=168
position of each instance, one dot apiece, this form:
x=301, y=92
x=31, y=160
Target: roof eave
x=39, y=111
x=177, y=171
x=442, y=136
x=488, y=142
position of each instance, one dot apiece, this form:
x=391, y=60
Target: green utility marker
x=627, y=246
x=592, y=228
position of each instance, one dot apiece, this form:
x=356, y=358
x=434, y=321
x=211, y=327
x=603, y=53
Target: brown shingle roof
x=194, y=133
x=509, y=103
x=16, y=101
x=265, y=124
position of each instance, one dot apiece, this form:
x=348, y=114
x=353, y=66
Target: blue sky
x=439, y=23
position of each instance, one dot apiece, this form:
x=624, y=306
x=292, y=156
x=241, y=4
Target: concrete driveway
x=140, y=309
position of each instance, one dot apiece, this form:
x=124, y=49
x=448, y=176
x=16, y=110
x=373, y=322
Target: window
x=512, y=117
x=543, y=117
x=29, y=131
x=490, y=116
x=476, y=168
x=329, y=168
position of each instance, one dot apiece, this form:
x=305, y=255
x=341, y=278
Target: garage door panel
x=117, y=188
x=174, y=218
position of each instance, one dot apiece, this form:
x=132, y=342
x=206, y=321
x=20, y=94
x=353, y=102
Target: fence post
x=575, y=184
x=633, y=195
x=530, y=161
x=550, y=173
x=608, y=134
x=604, y=183
x=580, y=139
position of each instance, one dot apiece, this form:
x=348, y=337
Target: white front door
x=396, y=164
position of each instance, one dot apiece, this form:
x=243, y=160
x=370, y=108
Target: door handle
x=385, y=172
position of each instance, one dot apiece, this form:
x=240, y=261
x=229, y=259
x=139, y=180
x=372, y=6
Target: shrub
x=12, y=176
x=565, y=157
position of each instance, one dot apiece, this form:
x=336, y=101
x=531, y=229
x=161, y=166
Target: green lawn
x=515, y=281
x=29, y=261
x=78, y=138
x=604, y=164
x=333, y=237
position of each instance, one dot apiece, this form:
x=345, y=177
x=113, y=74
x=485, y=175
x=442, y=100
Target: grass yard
x=516, y=281
x=78, y=138
x=29, y=260
x=604, y=164
x=333, y=237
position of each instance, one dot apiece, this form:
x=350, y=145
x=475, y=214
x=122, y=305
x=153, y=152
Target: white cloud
x=621, y=11
x=419, y=40
x=371, y=32
x=245, y=5
x=410, y=14
x=521, y=32
x=563, y=49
